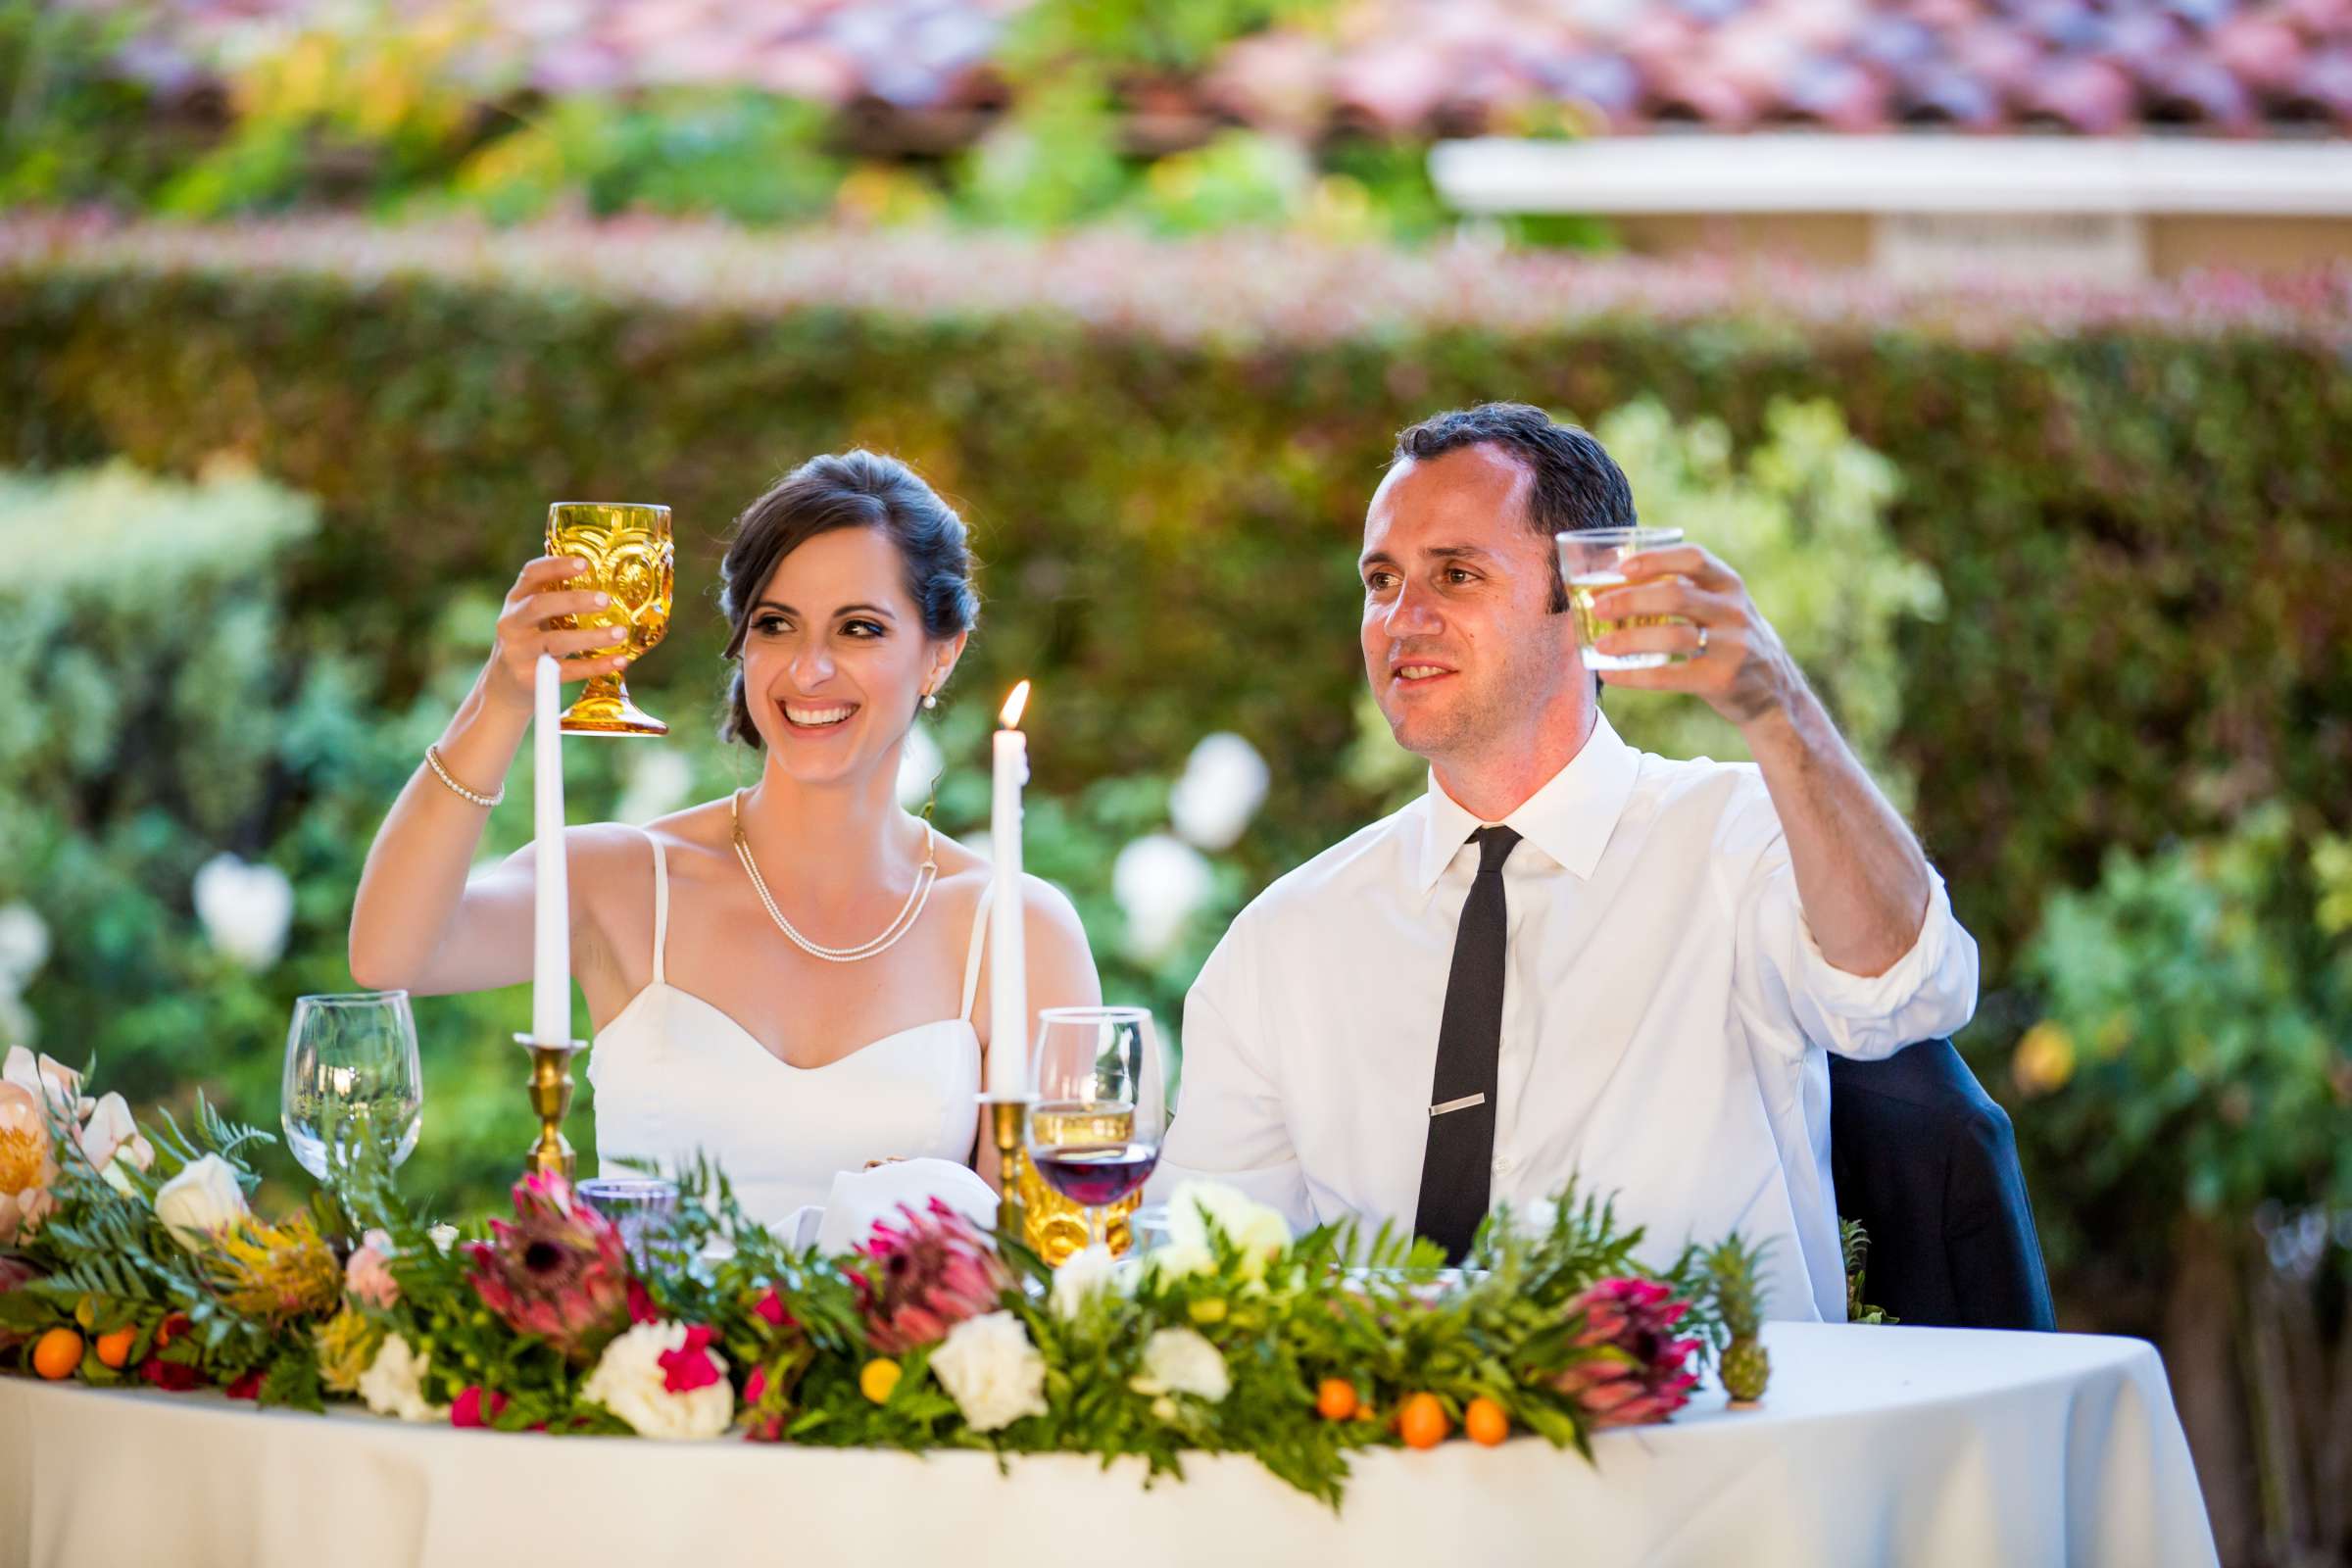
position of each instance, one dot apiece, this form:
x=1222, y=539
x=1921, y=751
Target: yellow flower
x=346, y=1344
x=2045, y=1060
x=1209, y=1309
x=277, y=1271
x=877, y=1378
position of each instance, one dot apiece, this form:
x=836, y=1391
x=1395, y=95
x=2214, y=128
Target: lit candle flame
x=1011, y=716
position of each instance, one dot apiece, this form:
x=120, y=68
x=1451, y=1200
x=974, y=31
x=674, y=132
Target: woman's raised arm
x=416, y=923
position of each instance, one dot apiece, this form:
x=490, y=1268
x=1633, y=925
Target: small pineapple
x=1746, y=1368
x=1740, y=1298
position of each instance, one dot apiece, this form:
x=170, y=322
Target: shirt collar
x=1570, y=818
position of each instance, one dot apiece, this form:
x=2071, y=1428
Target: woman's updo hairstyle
x=854, y=489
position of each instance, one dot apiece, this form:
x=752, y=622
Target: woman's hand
x=525, y=632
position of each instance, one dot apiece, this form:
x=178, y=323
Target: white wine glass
x=1094, y=1127
x=1591, y=565
x=352, y=1076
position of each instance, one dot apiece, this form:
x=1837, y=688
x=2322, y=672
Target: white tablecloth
x=1874, y=1446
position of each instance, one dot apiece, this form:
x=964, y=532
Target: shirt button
x=1502, y=1165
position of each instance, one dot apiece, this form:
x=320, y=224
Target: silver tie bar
x=1463, y=1104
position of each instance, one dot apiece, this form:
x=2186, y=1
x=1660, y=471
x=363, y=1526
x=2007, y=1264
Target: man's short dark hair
x=1577, y=483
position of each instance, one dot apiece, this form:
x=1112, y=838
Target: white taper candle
x=1008, y=964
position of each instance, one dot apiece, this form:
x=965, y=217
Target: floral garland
x=127, y=1257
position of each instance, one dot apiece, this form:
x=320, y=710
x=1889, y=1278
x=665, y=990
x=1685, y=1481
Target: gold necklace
x=925, y=875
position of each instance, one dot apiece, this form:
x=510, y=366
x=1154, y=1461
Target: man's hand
x=1729, y=652
x=1860, y=876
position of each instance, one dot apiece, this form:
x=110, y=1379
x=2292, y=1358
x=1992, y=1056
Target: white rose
x=992, y=1371
x=17, y=1021
x=1259, y=1232
x=629, y=1382
x=110, y=1139
x=394, y=1383
x=1159, y=882
x=1175, y=1259
x=203, y=1198
x=23, y=945
x=1224, y=783
x=443, y=1237
x=919, y=762
x=1181, y=1361
x=245, y=910
x=659, y=780
x=1535, y=1220
x=1089, y=1272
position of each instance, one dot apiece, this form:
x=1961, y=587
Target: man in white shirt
x=1630, y=974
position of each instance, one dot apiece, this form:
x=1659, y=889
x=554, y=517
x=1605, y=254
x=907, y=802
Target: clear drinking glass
x=351, y=1074
x=1100, y=1107
x=1589, y=564
x=635, y=1204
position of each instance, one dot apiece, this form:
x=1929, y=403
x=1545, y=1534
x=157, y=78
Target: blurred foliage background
x=2075, y=574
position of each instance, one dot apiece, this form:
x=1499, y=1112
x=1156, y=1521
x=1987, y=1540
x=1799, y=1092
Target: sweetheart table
x=1874, y=1446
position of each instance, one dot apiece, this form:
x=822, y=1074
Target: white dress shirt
x=1664, y=1022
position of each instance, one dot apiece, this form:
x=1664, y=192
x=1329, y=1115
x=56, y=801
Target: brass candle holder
x=1004, y=1126
x=551, y=1097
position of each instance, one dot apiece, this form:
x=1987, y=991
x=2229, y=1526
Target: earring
x=929, y=700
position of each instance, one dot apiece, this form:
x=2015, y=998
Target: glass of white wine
x=352, y=1076
x=1589, y=564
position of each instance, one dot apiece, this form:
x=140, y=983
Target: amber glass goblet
x=630, y=555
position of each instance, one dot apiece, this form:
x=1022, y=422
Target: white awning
x=1928, y=173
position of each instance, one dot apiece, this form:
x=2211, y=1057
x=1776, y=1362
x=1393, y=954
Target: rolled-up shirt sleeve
x=1782, y=973
x=1229, y=1123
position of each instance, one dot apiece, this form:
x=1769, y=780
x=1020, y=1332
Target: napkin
x=860, y=1198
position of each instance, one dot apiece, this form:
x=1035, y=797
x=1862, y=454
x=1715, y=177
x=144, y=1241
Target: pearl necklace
x=925, y=875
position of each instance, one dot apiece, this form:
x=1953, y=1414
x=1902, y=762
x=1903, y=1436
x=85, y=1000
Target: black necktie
x=1461, y=1098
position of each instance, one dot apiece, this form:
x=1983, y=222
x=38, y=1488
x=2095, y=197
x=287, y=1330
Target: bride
x=790, y=979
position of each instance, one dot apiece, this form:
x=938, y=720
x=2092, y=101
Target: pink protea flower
x=560, y=1270
x=931, y=1273
x=1637, y=1370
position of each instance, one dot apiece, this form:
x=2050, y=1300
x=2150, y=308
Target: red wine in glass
x=1092, y=1175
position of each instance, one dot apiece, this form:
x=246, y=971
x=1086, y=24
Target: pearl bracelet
x=432, y=756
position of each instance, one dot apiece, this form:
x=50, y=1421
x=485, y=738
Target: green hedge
x=2144, y=530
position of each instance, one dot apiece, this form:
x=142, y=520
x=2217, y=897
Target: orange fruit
x=114, y=1349
x=1422, y=1421
x=1335, y=1400
x=57, y=1354
x=1485, y=1422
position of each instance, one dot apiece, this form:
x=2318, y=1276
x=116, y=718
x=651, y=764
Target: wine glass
x=1095, y=1124
x=632, y=558
x=352, y=1076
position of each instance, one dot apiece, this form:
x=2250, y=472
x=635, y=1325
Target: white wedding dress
x=675, y=1076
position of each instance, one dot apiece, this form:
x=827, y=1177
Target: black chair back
x=1926, y=1160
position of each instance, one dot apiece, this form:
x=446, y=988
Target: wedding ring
x=1702, y=642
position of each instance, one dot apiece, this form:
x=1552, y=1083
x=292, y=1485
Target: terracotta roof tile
x=2097, y=66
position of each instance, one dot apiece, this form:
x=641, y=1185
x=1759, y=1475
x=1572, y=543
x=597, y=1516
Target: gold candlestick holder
x=551, y=1097
x=1004, y=1126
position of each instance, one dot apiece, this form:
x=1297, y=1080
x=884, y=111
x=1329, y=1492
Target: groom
x=1568, y=959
